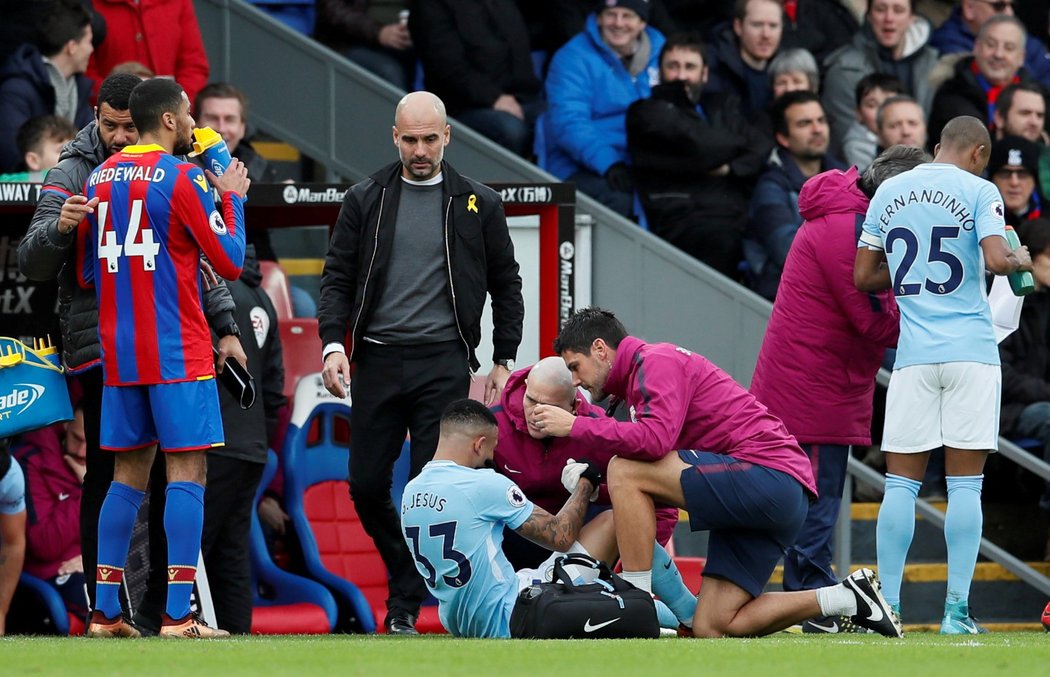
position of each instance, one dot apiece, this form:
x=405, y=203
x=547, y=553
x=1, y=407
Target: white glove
x=570, y=477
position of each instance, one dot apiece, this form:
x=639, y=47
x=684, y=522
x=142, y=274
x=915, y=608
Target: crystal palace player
x=152, y=215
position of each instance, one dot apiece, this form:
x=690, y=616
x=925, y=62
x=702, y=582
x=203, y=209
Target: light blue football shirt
x=452, y=518
x=12, y=490
x=930, y=222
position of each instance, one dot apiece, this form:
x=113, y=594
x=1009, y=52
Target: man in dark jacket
x=224, y=108
x=819, y=26
x=773, y=217
x=234, y=470
x=694, y=158
x=740, y=53
x=476, y=57
x=373, y=34
x=1025, y=354
x=46, y=78
x=48, y=251
x=958, y=34
x=414, y=251
x=997, y=62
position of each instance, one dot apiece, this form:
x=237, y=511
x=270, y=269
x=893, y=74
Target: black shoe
x=401, y=623
x=873, y=611
x=832, y=625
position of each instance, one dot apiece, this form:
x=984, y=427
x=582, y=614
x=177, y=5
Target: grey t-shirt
x=414, y=305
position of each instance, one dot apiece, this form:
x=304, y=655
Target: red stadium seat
x=336, y=550
x=692, y=569
x=301, y=347
x=275, y=284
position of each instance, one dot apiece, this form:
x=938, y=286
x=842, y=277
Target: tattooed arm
x=558, y=532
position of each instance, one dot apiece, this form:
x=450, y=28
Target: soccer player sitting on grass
x=150, y=217
x=737, y=471
x=452, y=518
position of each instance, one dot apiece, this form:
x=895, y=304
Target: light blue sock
x=116, y=520
x=183, y=522
x=894, y=531
x=962, y=533
x=665, y=616
x=669, y=587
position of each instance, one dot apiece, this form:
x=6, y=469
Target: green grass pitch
x=1014, y=654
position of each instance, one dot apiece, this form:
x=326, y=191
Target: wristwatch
x=230, y=329
x=506, y=364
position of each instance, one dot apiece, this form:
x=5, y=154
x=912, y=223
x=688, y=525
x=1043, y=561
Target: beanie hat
x=639, y=7
x=1014, y=152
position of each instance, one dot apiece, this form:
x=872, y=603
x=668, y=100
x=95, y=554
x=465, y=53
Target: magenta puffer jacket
x=825, y=339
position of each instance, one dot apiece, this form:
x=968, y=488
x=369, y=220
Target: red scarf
x=991, y=92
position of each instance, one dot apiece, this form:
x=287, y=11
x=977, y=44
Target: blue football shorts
x=181, y=416
x=753, y=513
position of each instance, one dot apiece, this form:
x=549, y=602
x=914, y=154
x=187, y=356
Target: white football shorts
x=955, y=404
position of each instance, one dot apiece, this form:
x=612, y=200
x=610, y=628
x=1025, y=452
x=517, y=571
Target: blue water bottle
x=209, y=145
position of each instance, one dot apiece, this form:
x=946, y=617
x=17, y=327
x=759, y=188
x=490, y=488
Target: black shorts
x=753, y=513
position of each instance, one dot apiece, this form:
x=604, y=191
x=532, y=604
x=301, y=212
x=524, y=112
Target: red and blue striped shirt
x=141, y=250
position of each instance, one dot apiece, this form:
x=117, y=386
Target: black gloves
x=592, y=474
x=618, y=176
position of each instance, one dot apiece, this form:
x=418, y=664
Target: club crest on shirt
x=216, y=223
x=201, y=183
x=515, y=496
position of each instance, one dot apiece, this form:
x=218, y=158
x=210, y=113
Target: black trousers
x=97, y=479
x=228, y=503
x=398, y=389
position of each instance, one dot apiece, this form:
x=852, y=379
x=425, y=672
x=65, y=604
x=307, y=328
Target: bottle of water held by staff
x=208, y=144
x=1021, y=282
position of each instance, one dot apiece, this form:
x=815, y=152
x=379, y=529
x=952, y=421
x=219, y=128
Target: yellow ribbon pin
x=472, y=204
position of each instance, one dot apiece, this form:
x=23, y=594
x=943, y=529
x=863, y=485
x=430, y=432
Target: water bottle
x=48, y=351
x=1021, y=282
x=208, y=144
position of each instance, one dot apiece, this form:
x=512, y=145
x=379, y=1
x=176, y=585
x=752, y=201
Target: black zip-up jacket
x=1025, y=357
x=479, y=258
x=247, y=431
x=45, y=254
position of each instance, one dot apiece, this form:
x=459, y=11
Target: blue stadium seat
x=297, y=14
x=317, y=500
x=294, y=604
x=1029, y=444
x=336, y=550
x=51, y=599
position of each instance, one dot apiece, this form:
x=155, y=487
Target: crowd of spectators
x=562, y=83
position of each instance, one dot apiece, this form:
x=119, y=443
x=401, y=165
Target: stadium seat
x=61, y=621
x=297, y=14
x=336, y=550
x=1029, y=444
x=292, y=604
x=275, y=284
x=301, y=347
x=539, y=142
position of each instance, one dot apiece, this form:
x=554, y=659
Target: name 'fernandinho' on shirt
x=929, y=196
